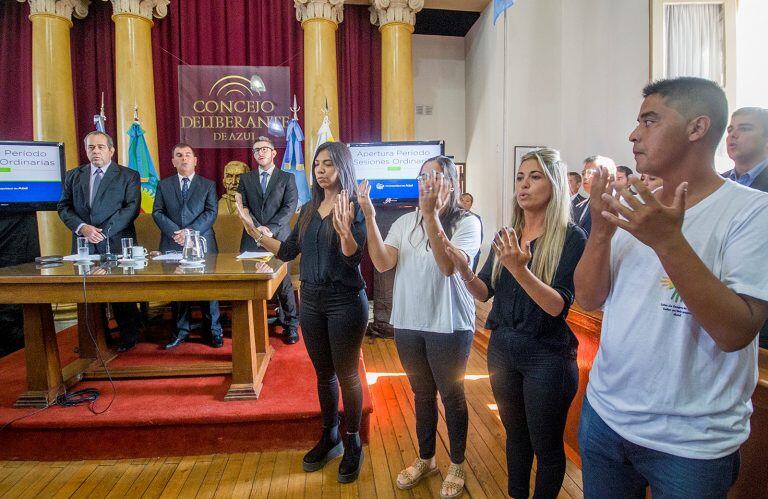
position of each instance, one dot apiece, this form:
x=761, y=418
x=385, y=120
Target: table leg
x=44, y=378
x=250, y=349
x=95, y=330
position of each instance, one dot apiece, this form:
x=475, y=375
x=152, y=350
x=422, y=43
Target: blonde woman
x=532, y=352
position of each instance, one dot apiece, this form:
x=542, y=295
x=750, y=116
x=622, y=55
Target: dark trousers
x=533, y=388
x=287, y=315
x=437, y=362
x=333, y=324
x=210, y=311
x=127, y=318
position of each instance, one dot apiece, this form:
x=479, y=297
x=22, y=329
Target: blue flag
x=98, y=121
x=140, y=160
x=499, y=6
x=293, y=161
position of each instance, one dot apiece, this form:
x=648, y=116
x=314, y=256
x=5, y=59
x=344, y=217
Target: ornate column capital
x=395, y=11
x=142, y=8
x=60, y=8
x=331, y=10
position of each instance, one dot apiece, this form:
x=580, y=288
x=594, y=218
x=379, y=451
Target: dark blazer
x=115, y=207
x=574, y=203
x=273, y=209
x=582, y=217
x=198, y=213
x=760, y=184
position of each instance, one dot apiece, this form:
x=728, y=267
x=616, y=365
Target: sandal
x=412, y=475
x=453, y=485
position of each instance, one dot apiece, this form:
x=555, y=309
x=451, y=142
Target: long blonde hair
x=549, y=246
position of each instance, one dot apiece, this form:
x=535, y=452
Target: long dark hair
x=450, y=217
x=342, y=160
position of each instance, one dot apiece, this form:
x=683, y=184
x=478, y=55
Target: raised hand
x=651, y=221
x=343, y=215
x=458, y=257
x=364, y=199
x=245, y=217
x=434, y=191
x=602, y=187
x=509, y=252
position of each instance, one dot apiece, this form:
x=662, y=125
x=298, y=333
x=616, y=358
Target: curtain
x=694, y=41
x=16, y=67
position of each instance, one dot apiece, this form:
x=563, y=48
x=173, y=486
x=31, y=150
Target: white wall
x=574, y=73
x=439, y=81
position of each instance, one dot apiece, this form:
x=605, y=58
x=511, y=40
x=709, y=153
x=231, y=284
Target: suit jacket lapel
x=761, y=182
x=272, y=180
x=177, y=188
x=193, y=187
x=84, y=181
x=110, y=175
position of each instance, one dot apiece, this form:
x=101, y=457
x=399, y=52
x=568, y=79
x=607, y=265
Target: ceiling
x=443, y=17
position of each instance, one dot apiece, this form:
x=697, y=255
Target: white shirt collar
x=269, y=171
x=181, y=178
x=103, y=168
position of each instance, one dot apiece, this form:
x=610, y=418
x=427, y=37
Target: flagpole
x=504, y=166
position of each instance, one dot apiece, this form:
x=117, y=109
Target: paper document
x=168, y=257
x=255, y=255
x=75, y=258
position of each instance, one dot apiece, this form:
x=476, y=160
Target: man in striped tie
x=99, y=201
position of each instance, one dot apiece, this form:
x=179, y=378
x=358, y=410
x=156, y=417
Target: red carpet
x=172, y=416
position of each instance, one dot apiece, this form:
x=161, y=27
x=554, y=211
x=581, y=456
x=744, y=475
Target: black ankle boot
x=329, y=447
x=349, y=467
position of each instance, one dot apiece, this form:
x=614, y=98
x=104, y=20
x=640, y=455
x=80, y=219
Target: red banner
x=231, y=106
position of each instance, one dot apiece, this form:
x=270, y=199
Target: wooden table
x=247, y=284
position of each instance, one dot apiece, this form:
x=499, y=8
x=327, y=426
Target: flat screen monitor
x=391, y=168
x=31, y=175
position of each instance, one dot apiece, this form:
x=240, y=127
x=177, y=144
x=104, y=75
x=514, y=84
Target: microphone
x=108, y=256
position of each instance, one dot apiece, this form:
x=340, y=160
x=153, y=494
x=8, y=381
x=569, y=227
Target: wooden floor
x=278, y=474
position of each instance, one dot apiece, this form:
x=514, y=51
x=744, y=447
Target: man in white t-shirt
x=668, y=400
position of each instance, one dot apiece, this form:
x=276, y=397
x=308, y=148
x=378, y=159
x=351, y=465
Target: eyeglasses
x=263, y=150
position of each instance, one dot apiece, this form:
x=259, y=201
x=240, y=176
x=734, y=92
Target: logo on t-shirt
x=676, y=307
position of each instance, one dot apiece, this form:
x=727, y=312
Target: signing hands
x=343, y=215
x=245, y=216
x=509, y=252
x=600, y=192
x=650, y=221
x=434, y=191
x=364, y=198
x=457, y=256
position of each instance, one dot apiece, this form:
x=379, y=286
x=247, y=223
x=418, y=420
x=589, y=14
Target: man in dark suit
x=100, y=201
x=271, y=197
x=187, y=201
x=747, y=143
x=581, y=215
x=574, y=186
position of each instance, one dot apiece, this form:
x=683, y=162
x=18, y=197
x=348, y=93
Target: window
x=696, y=38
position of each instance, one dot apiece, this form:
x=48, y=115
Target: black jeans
x=333, y=323
x=533, y=388
x=437, y=362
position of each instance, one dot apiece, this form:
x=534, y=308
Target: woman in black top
x=532, y=352
x=330, y=235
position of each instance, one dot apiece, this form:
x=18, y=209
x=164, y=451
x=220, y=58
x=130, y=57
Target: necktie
x=184, y=189
x=96, y=182
x=264, y=177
